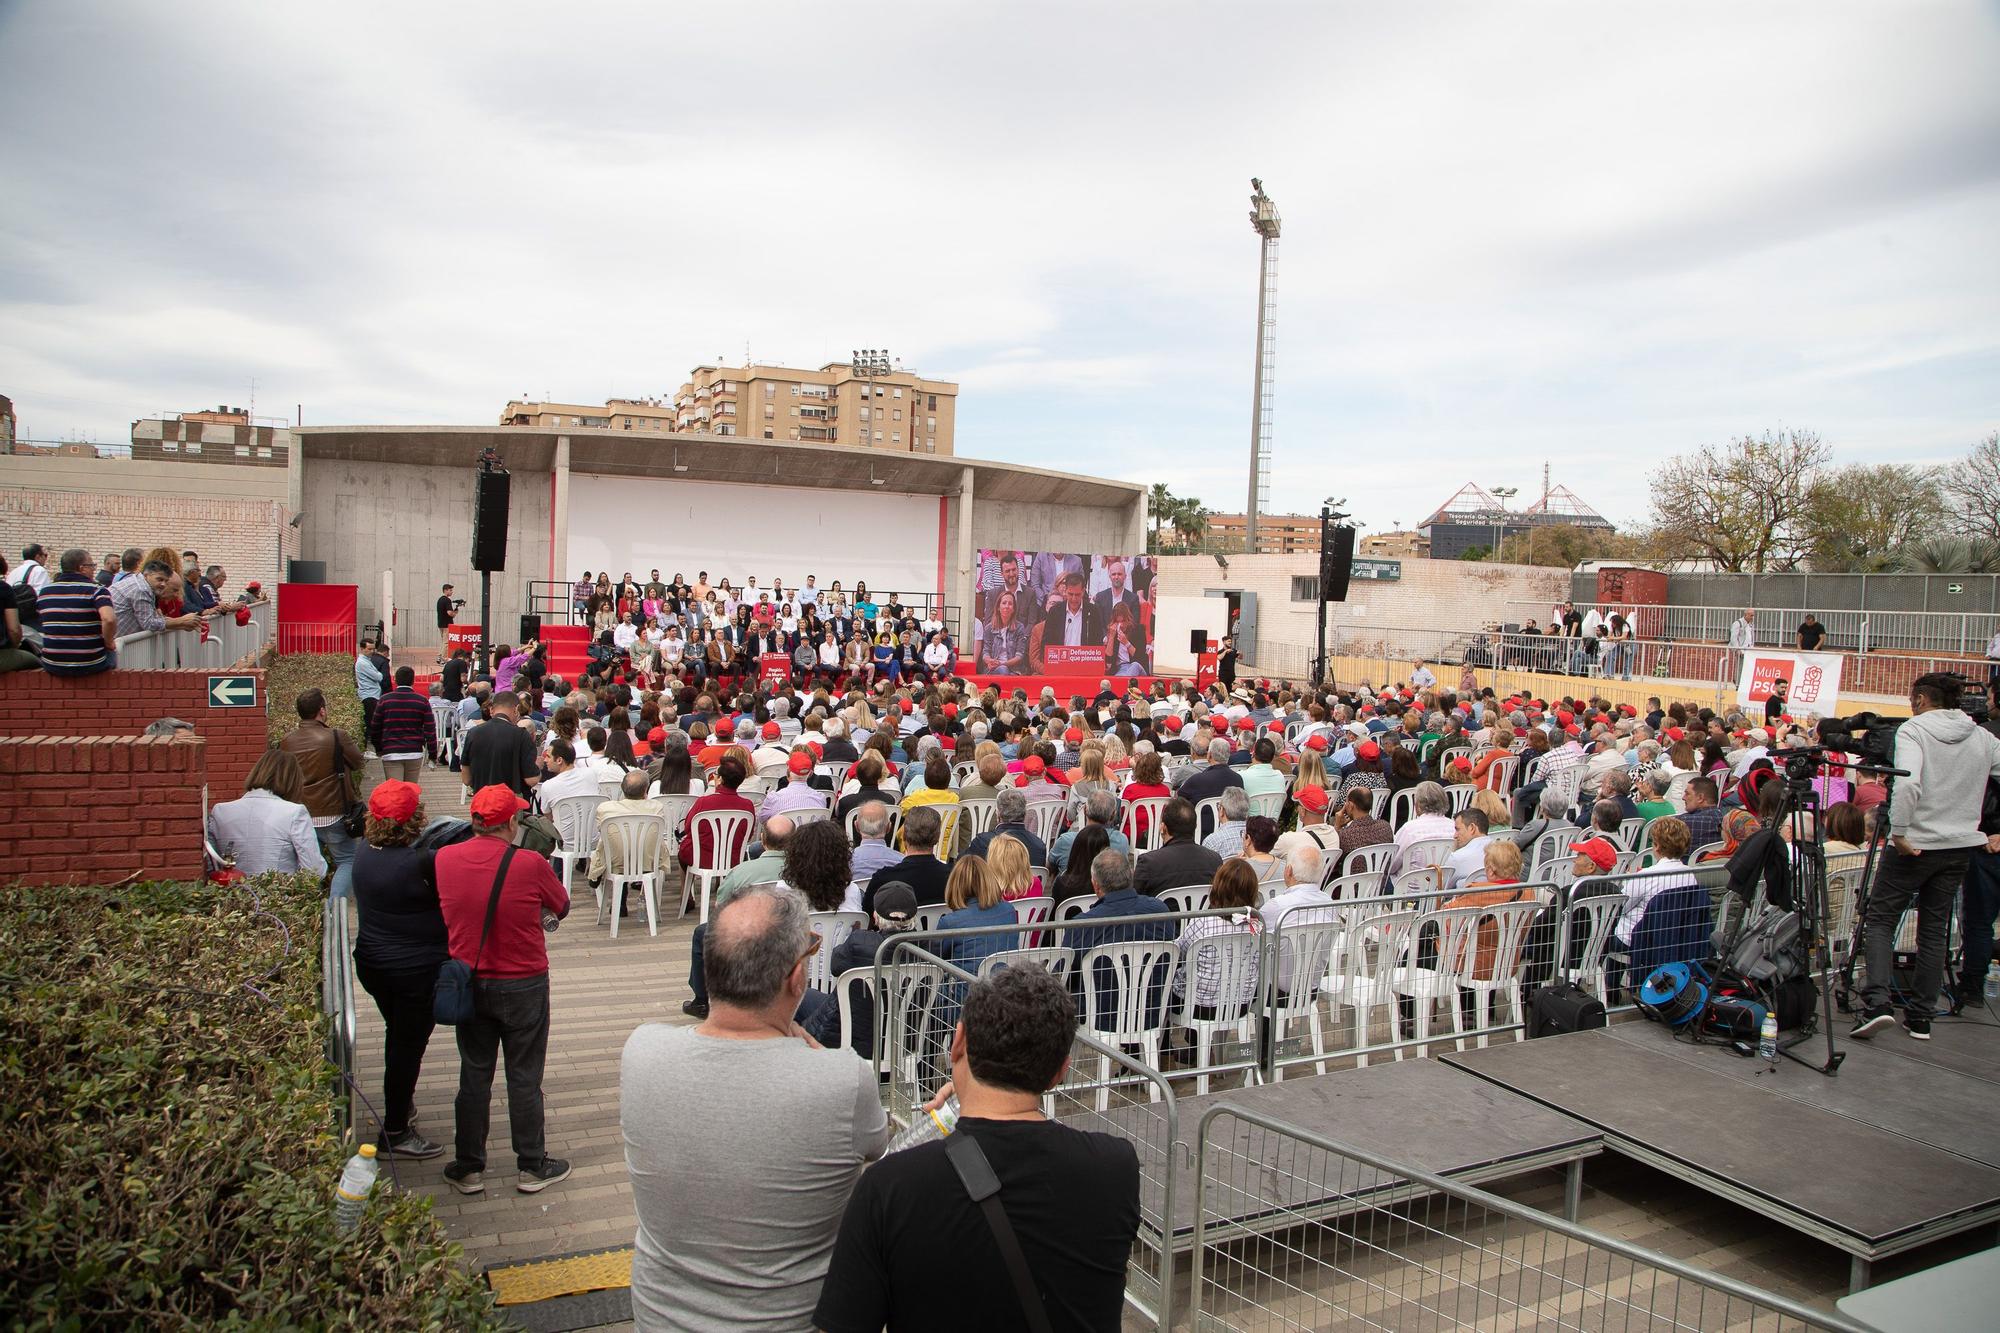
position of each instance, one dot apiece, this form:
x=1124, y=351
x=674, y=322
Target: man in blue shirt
x=1099, y=808
x=1010, y=816
x=1111, y=877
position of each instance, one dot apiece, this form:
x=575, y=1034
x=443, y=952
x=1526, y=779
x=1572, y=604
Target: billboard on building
x=1055, y=613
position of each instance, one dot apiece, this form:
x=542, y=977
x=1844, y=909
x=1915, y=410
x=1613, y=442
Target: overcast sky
x=1588, y=233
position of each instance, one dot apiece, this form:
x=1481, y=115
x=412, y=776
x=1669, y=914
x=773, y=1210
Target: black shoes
x=1871, y=1022
x=536, y=1179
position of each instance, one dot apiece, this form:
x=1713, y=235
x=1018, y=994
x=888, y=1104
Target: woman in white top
x=267, y=829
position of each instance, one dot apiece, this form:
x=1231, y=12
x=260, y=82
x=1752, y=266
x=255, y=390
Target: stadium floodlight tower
x=1264, y=220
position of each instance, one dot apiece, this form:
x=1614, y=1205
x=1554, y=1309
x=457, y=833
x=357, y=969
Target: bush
x=294, y=673
x=168, y=1151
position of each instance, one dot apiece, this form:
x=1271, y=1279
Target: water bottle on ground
x=1992, y=988
x=926, y=1126
x=356, y=1182
x=1767, y=1039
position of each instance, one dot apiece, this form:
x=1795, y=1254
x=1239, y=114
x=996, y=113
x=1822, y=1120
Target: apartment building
x=1277, y=534
x=896, y=410
x=649, y=414
x=224, y=435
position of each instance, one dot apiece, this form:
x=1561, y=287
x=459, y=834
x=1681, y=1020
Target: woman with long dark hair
x=1074, y=881
x=819, y=863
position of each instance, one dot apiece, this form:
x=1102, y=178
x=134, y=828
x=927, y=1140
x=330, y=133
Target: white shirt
x=1993, y=646
x=1642, y=889
x=1422, y=678
x=829, y=654
x=1073, y=627
x=1742, y=634
x=31, y=573
x=580, y=780
x=624, y=637
x=936, y=655
x=1468, y=860
x=1274, y=909
x=673, y=649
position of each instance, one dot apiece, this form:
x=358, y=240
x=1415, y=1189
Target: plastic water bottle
x=1992, y=988
x=928, y=1125
x=1767, y=1039
x=356, y=1183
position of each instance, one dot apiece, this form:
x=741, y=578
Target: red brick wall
x=122, y=703
x=95, y=809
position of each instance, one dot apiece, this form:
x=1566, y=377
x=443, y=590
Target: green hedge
x=294, y=673
x=167, y=1144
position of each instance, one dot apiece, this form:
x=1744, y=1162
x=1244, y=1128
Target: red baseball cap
x=394, y=801
x=950, y=710
x=1368, y=750
x=1073, y=735
x=1601, y=853
x=1316, y=741
x=1313, y=798
x=1171, y=725
x=800, y=762
x=495, y=805
x=1277, y=726
x=772, y=731
x=656, y=735
x=1033, y=764
x=1245, y=724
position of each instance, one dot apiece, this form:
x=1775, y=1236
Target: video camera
x=458, y=603
x=1869, y=735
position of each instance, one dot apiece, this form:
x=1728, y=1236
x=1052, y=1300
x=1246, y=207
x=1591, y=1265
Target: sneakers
x=412, y=1145
x=695, y=1008
x=1920, y=1028
x=1871, y=1022
x=465, y=1178
x=535, y=1179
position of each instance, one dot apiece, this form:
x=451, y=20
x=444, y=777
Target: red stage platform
x=1065, y=686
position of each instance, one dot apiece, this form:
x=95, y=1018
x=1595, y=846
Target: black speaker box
x=305, y=571
x=531, y=629
x=1336, y=566
x=489, y=521
x=1197, y=641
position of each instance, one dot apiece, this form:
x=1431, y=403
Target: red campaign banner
x=1060, y=655
x=1206, y=664
x=1764, y=673
x=317, y=617
x=461, y=636
x=774, y=668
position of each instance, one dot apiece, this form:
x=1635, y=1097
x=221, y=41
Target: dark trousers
x=1932, y=881
x=1979, y=904
x=1524, y=803
x=510, y=1014
x=368, y=719
x=404, y=998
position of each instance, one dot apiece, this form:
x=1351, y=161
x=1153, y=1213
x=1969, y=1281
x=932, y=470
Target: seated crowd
x=65, y=616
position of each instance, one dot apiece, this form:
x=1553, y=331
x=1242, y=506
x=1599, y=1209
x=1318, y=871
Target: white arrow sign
x=232, y=691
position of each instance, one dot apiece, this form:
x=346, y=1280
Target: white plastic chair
x=1207, y=816
x=717, y=840
x=1370, y=860
x=1402, y=807
x=1069, y=909
x=1136, y=968
x=1354, y=888
x=611, y=786
x=1053, y=960
x=927, y=918
x=1269, y=804
x=1046, y=819
x=1307, y=937
x=575, y=818
x=1629, y=832
x=1597, y=914
x=1235, y=952
x=1457, y=930
x=1461, y=794
x=978, y=813
x=1372, y=945
x=1427, y=852
x=1187, y=898
x=888, y=835
x=634, y=853
x=1511, y=922
x=1501, y=776
x=1550, y=845
x=1148, y=807
x=809, y=815
x=832, y=928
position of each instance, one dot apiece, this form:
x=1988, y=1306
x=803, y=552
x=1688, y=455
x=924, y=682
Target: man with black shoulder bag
x=1013, y=1220
x=498, y=906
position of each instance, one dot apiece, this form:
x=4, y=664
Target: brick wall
x=122, y=703
x=241, y=535
x=97, y=809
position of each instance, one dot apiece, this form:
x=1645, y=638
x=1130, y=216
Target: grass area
x=294, y=673
x=168, y=1151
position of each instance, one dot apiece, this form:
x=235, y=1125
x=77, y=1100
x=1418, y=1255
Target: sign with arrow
x=232, y=691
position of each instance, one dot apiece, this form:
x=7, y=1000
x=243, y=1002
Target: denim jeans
x=510, y=1014
x=1980, y=906
x=1932, y=881
x=338, y=844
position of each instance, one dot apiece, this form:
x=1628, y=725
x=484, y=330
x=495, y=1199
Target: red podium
x=774, y=668
x=461, y=636
x=1206, y=664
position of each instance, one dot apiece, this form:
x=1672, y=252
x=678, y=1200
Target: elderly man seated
x=632, y=800
x=1432, y=820
x=1101, y=809
x=1227, y=840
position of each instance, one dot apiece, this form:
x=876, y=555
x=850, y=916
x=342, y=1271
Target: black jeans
x=510, y=1014
x=1932, y=880
x=1980, y=906
x=404, y=997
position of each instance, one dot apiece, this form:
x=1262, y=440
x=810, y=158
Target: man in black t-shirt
x=446, y=612
x=452, y=680
x=1811, y=634
x=915, y=1252
x=500, y=751
x=1776, y=704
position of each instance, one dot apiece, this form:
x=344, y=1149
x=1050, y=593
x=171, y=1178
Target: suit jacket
x=1175, y=865
x=1052, y=628
x=1103, y=603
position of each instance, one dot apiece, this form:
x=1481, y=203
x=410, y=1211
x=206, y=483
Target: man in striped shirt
x=79, y=628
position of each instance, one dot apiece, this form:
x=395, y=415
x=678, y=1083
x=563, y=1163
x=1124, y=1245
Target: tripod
x=1799, y=811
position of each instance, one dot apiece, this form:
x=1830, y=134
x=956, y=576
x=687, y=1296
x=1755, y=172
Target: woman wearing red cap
x=399, y=950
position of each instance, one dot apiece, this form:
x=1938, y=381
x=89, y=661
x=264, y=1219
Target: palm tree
x=1160, y=506
x=1190, y=521
x=1948, y=555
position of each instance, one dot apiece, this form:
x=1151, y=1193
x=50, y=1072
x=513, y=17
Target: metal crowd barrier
x=337, y=1004
x=1385, y=1246
x=228, y=643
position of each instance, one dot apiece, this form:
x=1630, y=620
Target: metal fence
x=227, y=642
x=336, y=958
x=1851, y=629
x=1381, y=1245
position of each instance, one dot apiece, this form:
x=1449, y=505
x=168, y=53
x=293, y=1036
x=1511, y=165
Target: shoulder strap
x=976, y=1174
x=493, y=904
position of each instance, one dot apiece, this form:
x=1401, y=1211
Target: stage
x=1898, y=1150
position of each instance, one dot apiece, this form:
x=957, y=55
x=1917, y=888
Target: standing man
x=1742, y=636
x=33, y=571
x=1981, y=902
x=402, y=731
x=1933, y=828
x=1225, y=663
x=917, y=1251
x=367, y=683
x=499, y=751
x=1811, y=634
x=446, y=611
x=330, y=762
x=742, y=1137
x=510, y=987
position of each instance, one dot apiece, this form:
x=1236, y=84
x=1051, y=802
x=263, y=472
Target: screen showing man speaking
x=1049, y=613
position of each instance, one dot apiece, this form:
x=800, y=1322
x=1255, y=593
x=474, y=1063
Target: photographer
x=1933, y=827
x=447, y=607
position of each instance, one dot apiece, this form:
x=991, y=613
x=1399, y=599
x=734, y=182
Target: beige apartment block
x=1277, y=534
x=649, y=414
x=896, y=410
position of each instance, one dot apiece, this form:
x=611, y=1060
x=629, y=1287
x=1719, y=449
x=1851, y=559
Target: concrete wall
x=1451, y=596
x=416, y=520
x=231, y=516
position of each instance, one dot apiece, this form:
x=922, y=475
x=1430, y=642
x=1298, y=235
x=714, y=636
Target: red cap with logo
x=495, y=805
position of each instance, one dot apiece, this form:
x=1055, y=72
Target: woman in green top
x=1654, y=788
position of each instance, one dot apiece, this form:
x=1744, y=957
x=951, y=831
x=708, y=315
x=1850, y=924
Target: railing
x=1945, y=633
x=330, y=636
x=1403, y=1248
x=337, y=1005
x=228, y=643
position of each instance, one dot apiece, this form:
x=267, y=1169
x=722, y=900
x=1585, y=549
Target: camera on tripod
x=1869, y=735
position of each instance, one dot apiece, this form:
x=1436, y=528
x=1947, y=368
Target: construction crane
x=1264, y=220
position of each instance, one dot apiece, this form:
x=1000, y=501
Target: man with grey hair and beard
x=742, y=1136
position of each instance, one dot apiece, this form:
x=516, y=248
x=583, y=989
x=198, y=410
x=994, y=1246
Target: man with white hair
x=781, y=713
x=1227, y=840
x=1432, y=820
x=871, y=823
x=1305, y=865
x=1758, y=746
x=838, y=749
x=1099, y=808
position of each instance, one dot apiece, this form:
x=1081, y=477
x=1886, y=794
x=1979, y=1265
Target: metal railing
x=337, y=1005
x=1384, y=1245
x=227, y=644
x=1945, y=633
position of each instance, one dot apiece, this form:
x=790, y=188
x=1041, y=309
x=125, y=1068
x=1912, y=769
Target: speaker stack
x=1336, y=565
x=489, y=521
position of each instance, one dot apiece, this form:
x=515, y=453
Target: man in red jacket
x=729, y=774
x=510, y=986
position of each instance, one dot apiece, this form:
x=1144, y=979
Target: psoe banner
x=1814, y=679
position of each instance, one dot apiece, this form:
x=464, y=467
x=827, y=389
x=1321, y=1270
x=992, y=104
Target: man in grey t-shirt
x=743, y=1138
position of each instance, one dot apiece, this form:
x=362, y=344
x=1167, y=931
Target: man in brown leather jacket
x=331, y=762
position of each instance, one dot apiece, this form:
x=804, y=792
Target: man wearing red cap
x=487, y=874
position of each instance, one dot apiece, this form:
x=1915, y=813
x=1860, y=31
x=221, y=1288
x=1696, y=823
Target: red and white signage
x=1814, y=679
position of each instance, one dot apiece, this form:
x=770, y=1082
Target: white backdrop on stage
x=889, y=541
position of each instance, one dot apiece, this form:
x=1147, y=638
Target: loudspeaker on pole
x=489, y=521
x=1336, y=566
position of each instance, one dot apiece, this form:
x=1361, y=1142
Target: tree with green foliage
x=1857, y=516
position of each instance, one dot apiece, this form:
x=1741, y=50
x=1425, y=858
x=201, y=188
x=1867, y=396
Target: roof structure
x=1473, y=504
